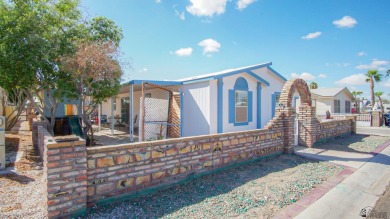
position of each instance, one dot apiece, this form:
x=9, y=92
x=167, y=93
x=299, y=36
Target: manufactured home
x=226, y=101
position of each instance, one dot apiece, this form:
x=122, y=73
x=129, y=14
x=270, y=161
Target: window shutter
x=250, y=106
x=232, y=103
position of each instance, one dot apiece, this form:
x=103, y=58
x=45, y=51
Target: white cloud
x=207, y=7
x=305, y=76
x=158, y=1
x=209, y=46
x=356, y=79
x=241, y=4
x=181, y=15
x=184, y=51
x=143, y=70
x=375, y=64
x=362, y=53
x=345, y=22
x=322, y=75
x=386, y=83
x=311, y=35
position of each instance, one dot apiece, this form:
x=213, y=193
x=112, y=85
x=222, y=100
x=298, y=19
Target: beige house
x=336, y=100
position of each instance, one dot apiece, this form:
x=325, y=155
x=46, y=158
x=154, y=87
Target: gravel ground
x=256, y=190
x=21, y=193
x=355, y=143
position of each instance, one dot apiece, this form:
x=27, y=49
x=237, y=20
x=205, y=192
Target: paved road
x=363, y=188
x=382, y=131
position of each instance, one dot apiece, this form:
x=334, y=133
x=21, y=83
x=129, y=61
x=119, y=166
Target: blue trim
x=258, y=105
x=276, y=73
x=274, y=102
x=220, y=106
x=241, y=84
x=181, y=113
x=228, y=73
x=198, y=80
x=251, y=73
x=250, y=106
x=156, y=82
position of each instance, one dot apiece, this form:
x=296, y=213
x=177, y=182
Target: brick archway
x=306, y=116
x=290, y=87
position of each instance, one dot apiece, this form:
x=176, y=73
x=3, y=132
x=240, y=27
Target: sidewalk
x=382, y=131
x=361, y=189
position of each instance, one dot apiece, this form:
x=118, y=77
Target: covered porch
x=143, y=110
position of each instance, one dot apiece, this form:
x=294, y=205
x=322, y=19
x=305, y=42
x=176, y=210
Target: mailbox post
x=2, y=142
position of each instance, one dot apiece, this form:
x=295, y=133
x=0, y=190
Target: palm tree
x=372, y=77
x=379, y=94
x=313, y=85
x=355, y=95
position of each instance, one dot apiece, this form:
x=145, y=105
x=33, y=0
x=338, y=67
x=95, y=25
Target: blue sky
x=331, y=42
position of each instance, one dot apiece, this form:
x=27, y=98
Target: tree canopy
x=35, y=36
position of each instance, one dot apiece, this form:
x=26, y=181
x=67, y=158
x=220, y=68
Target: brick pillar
x=65, y=172
x=308, y=126
x=376, y=118
x=288, y=117
x=353, y=122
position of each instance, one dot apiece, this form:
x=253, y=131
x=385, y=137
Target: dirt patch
x=21, y=192
x=257, y=190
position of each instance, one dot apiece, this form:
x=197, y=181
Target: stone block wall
x=35, y=137
x=334, y=128
x=65, y=176
x=376, y=118
x=126, y=169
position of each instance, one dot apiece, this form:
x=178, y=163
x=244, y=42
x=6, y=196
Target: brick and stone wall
x=76, y=176
x=35, y=135
x=65, y=176
x=376, y=119
x=126, y=169
x=334, y=128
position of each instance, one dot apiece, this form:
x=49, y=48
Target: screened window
x=241, y=106
x=336, y=106
x=347, y=106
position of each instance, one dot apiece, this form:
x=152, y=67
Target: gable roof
x=217, y=75
x=330, y=92
x=233, y=71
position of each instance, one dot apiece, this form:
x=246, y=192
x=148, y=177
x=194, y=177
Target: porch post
x=131, y=122
x=99, y=115
x=112, y=115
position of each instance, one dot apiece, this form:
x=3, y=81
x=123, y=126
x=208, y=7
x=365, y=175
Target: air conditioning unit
x=2, y=142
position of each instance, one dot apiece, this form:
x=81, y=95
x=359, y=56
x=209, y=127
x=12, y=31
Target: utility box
x=2, y=142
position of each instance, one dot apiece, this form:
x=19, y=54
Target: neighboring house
x=226, y=101
x=336, y=100
x=64, y=108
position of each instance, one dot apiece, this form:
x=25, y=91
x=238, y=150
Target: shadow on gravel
x=357, y=143
x=205, y=189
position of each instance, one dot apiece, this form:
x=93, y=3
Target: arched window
x=240, y=103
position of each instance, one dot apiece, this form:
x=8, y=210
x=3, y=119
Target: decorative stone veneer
x=126, y=169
